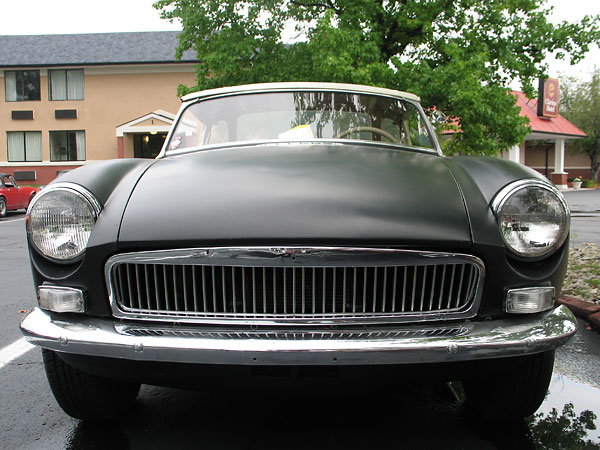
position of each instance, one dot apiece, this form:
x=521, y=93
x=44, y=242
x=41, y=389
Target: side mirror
x=437, y=117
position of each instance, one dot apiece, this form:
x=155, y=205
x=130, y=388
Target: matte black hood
x=297, y=195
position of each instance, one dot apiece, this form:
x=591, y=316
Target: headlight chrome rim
x=73, y=189
x=506, y=193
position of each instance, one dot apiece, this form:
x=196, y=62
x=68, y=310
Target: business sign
x=548, y=98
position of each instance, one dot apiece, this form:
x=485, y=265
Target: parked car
x=13, y=196
x=299, y=225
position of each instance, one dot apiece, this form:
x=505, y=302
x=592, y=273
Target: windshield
x=300, y=116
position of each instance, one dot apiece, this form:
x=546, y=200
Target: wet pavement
x=410, y=416
x=583, y=201
x=585, y=215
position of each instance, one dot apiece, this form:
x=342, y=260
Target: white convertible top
x=299, y=86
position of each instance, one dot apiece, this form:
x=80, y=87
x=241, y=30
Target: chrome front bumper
x=407, y=344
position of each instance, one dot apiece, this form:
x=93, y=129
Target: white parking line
x=12, y=220
x=13, y=351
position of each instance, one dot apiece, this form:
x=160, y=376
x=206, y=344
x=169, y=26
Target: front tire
x=85, y=396
x=2, y=207
x=513, y=393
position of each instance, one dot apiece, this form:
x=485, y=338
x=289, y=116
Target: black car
x=294, y=226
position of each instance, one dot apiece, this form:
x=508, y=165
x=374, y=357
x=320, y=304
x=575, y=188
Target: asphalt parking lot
x=585, y=215
x=417, y=416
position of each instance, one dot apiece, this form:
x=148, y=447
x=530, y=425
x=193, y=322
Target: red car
x=12, y=196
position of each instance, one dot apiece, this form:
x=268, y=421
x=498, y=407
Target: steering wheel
x=384, y=133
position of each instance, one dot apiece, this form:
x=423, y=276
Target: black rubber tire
x=85, y=396
x=2, y=207
x=513, y=393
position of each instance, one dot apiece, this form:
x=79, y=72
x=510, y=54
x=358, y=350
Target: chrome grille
x=296, y=335
x=293, y=285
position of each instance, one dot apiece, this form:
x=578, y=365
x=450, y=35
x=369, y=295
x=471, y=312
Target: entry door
x=148, y=145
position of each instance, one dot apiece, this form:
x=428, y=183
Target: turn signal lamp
x=529, y=300
x=60, y=299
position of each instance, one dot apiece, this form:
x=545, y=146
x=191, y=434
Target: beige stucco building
x=71, y=100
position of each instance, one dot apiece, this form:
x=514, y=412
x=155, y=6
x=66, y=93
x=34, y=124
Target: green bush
x=588, y=184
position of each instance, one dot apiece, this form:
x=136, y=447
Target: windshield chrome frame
x=192, y=99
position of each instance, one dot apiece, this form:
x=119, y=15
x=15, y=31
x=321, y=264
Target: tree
x=458, y=55
x=580, y=103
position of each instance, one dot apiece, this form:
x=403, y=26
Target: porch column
x=559, y=176
x=514, y=154
x=120, y=147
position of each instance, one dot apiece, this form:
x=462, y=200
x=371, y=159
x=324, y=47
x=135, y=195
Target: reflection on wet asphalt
x=565, y=391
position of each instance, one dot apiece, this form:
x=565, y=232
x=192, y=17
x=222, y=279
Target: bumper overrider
x=404, y=344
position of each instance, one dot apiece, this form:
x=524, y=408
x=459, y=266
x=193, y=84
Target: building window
x=67, y=146
x=24, y=146
x=65, y=84
x=22, y=85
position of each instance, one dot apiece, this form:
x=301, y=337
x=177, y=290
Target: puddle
x=577, y=413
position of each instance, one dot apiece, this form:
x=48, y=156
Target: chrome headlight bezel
x=508, y=192
x=79, y=194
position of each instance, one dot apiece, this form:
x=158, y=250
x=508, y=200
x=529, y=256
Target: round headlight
x=60, y=221
x=533, y=217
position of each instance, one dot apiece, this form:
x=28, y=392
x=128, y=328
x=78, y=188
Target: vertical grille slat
x=314, y=286
x=364, y=301
x=166, y=288
x=293, y=290
x=424, y=285
x=414, y=289
x=394, y=284
x=159, y=289
x=254, y=290
x=460, y=280
x=275, y=290
x=323, y=295
x=156, y=287
x=449, y=302
x=204, y=292
x=234, y=290
x=195, y=288
x=440, y=298
x=264, y=286
x=433, y=283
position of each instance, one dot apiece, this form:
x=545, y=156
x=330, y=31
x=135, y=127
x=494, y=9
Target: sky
x=102, y=16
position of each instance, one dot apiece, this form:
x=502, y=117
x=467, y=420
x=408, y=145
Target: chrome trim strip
x=79, y=191
x=507, y=191
x=286, y=257
x=68, y=186
x=487, y=339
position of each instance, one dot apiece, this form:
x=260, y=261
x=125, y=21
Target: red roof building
x=541, y=127
x=547, y=153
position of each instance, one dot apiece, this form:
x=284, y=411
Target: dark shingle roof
x=90, y=49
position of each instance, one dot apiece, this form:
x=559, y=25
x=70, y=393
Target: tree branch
x=328, y=5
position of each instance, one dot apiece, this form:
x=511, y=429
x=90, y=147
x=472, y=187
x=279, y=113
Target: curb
x=585, y=310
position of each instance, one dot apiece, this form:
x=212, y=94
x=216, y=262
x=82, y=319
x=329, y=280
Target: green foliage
x=458, y=55
x=580, y=103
